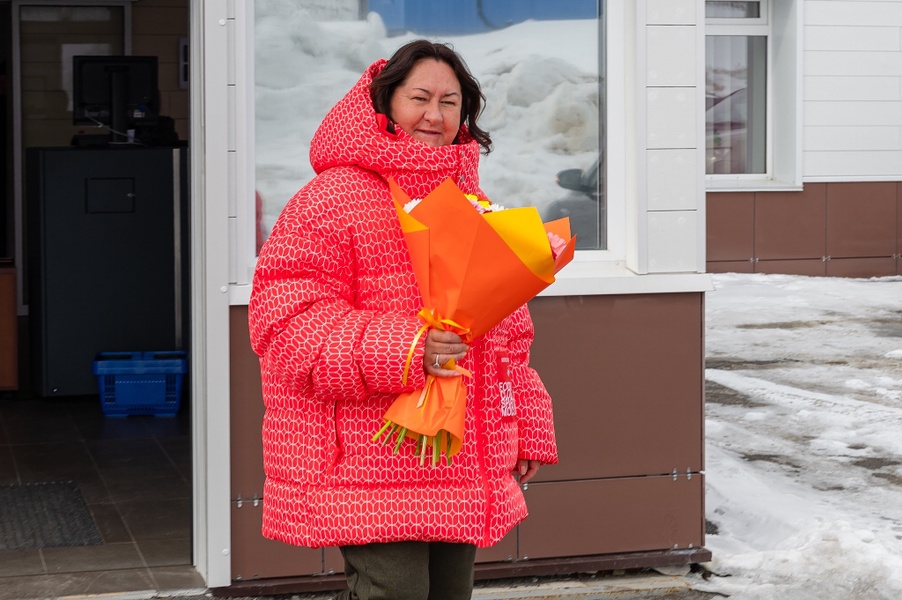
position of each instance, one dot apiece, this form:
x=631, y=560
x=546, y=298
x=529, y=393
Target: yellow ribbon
x=413, y=348
x=431, y=318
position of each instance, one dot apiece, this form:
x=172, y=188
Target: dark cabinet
x=105, y=273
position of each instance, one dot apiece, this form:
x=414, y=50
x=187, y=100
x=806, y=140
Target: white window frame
x=610, y=271
x=781, y=21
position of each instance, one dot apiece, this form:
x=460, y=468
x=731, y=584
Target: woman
x=333, y=319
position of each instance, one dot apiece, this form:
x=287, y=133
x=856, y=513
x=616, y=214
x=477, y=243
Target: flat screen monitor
x=118, y=92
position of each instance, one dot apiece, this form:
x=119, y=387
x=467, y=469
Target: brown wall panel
x=613, y=515
x=728, y=266
x=861, y=267
x=333, y=561
x=791, y=225
x=255, y=557
x=246, y=409
x=861, y=219
x=625, y=374
x=841, y=220
x=810, y=268
x=730, y=228
x=899, y=219
x=505, y=550
x=596, y=355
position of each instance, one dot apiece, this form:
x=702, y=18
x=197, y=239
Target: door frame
x=221, y=140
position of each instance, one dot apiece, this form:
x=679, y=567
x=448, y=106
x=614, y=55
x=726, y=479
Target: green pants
x=409, y=571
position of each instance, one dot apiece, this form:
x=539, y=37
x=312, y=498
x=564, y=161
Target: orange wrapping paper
x=473, y=270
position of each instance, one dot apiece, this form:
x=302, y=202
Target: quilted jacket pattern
x=332, y=318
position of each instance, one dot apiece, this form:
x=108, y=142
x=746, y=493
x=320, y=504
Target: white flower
x=483, y=206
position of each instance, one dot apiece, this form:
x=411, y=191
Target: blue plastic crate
x=140, y=383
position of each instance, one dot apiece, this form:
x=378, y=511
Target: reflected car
x=584, y=203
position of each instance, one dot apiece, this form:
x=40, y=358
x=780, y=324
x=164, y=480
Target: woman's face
x=427, y=104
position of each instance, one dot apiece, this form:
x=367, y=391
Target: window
x=753, y=60
x=736, y=128
x=720, y=9
x=543, y=105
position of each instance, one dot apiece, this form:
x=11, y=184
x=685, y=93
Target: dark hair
x=398, y=67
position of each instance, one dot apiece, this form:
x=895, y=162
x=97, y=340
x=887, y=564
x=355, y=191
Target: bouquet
x=474, y=264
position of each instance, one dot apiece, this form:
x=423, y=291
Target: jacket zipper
x=481, y=442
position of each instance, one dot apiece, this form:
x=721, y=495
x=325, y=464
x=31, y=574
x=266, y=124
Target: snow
x=804, y=406
x=804, y=437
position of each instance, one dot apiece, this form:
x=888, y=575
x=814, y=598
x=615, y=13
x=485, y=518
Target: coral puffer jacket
x=333, y=318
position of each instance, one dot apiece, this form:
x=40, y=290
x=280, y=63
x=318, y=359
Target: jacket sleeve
x=535, y=420
x=302, y=318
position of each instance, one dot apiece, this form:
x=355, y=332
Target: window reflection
x=735, y=116
x=543, y=97
x=732, y=10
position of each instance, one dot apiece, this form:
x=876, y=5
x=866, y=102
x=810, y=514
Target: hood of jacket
x=354, y=134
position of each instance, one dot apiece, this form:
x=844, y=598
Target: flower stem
x=381, y=431
x=436, y=448
x=402, y=433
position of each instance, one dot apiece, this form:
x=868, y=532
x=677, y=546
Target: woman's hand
x=441, y=346
x=526, y=470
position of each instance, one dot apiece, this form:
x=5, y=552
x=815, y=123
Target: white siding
x=854, y=39
x=876, y=166
x=845, y=89
x=853, y=90
x=852, y=114
x=671, y=211
x=853, y=138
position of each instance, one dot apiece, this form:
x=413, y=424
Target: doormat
x=45, y=515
